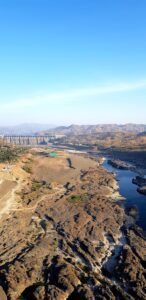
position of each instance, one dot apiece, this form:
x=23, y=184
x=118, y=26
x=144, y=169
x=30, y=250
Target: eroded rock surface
x=65, y=240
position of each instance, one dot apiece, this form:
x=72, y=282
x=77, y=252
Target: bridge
x=26, y=140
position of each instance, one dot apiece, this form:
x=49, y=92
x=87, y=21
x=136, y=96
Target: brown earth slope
x=63, y=239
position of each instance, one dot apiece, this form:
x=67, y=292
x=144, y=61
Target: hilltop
x=93, y=129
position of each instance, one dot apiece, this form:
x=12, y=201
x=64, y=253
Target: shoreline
x=124, y=198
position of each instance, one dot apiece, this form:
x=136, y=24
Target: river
x=129, y=191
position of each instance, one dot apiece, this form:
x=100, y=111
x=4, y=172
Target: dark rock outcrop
x=118, y=164
x=141, y=182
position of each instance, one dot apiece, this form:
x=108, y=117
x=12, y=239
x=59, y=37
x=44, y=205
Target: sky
x=72, y=61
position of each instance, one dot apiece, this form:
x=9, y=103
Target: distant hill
x=24, y=129
x=99, y=128
x=44, y=129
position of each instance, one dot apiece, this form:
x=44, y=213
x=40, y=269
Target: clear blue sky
x=72, y=61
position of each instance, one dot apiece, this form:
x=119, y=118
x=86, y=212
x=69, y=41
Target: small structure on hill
x=52, y=154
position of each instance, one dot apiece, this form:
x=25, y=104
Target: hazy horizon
x=64, y=62
x=68, y=125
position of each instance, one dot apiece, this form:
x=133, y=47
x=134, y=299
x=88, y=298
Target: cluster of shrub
x=8, y=154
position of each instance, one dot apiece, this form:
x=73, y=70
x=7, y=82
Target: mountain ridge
x=99, y=128
x=75, y=129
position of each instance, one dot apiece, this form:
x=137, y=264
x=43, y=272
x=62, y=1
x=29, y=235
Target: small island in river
x=141, y=182
x=119, y=164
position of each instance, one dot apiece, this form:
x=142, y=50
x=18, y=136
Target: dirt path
x=10, y=183
x=23, y=209
x=7, y=195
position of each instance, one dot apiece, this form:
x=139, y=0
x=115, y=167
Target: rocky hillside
x=67, y=237
x=99, y=128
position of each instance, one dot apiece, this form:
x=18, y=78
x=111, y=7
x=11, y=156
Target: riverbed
x=129, y=191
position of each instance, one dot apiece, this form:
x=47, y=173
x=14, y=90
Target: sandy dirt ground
x=62, y=169
x=58, y=169
x=12, y=179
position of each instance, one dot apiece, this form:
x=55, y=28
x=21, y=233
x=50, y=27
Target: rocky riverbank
x=141, y=182
x=138, y=180
x=68, y=236
x=119, y=164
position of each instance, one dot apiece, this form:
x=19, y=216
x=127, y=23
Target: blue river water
x=129, y=190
